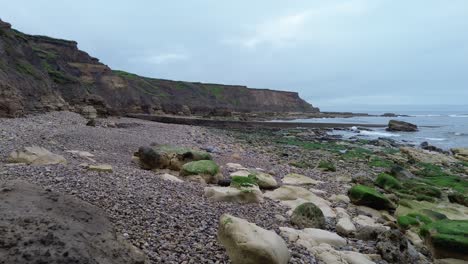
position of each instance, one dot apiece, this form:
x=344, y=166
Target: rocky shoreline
x=173, y=221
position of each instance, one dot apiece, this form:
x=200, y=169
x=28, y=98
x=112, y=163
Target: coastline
x=174, y=221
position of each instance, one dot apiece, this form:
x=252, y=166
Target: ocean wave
x=425, y=115
x=454, y=115
x=432, y=139
x=378, y=134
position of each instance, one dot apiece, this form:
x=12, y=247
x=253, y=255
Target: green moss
x=327, y=166
x=125, y=74
x=312, y=145
x=447, y=235
x=228, y=221
x=387, y=182
x=308, y=215
x=200, y=167
x=368, y=196
x=187, y=153
x=413, y=219
x=216, y=90
x=300, y=164
x=242, y=181
x=356, y=153
x=380, y=163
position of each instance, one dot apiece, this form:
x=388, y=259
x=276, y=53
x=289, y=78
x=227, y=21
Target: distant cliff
x=39, y=73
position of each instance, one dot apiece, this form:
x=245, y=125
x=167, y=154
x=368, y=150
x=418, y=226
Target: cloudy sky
x=338, y=54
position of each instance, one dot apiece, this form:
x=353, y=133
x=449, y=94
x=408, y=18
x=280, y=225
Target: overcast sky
x=338, y=54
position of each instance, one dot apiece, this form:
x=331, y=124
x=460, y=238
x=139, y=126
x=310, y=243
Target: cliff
x=39, y=73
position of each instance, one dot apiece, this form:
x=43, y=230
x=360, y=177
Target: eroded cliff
x=39, y=73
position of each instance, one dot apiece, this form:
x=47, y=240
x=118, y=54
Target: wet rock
x=368, y=196
x=247, y=243
x=168, y=157
x=393, y=247
x=447, y=238
x=395, y=125
x=461, y=153
x=425, y=156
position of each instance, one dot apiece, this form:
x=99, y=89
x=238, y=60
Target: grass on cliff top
x=125, y=74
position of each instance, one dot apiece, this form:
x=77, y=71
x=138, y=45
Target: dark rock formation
x=39, y=73
x=395, y=125
x=40, y=226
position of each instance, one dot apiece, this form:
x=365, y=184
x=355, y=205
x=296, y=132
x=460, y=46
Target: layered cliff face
x=39, y=74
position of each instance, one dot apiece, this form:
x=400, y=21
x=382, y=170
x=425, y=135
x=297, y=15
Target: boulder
x=401, y=173
x=247, y=243
x=298, y=179
x=328, y=255
x=395, y=125
x=235, y=167
x=206, y=169
x=168, y=157
x=447, y=238
x=40, y=226
x=88, y=112
x=367, y=228
x=242, y=195
x=368, y=196
x=308, y=215
x=36, y=156
x=310, y=237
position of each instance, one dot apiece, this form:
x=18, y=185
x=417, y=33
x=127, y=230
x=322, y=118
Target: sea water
x=444, y=129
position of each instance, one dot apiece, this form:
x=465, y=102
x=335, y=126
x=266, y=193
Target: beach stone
x=368, y=196
x=293, y=196
x=170, y=177
x=206, y=169
x=63, y=228
x=308, y=215
x=247, y=243
x=369, y=211
x=235, y=167
x=298, y=179
x=310, y=237
x=426, y=156
x=401, y=173
x=345, y=226
x=88, y=112
x=414, y=238
x=367, y=228
x=450, y=261
x=395, y=125
x=447, y=238
x=101, y=168
x=36, y=156
x=340, y=198
x=242, y=195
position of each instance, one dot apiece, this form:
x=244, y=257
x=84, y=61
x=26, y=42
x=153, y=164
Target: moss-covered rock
x=208, y=167
x=241, y=181
x=413, y=219
x=387, y=182
x=458, y=198
x=168, y=157
x=327, y=166
x=447, y=238
x=308, y=215
x=368, y=196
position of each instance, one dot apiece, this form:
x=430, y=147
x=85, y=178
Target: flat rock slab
x=40, y=226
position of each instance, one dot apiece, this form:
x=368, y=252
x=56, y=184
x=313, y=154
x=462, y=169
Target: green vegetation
x=387, y=182
x=44, y=54
x=180, y=85
x=58, y=76
x=26, y=68
x=434, y=175
x=357, y=153
x=215, y=90
x=201, y=167
x=186, y=152
x=327, y=165
x=125, y=74
x=227, y=221
x=448, y=235
x=381, y=163
x=413, y=219
x=368, y=196
x=242, y=181
x=458, y=198
x=308, y=215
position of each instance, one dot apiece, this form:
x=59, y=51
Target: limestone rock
x=247, y=243
x=345, y=226
x=447, y=238
x=364, y=195
x=70, y=230
x=393, y=247
x=101, y=168
x=395, y=125
x=205, y=169
x=36, y=156
x=293, y=196
x=310, y=237
x=230, y=194
x=425, y=156
x=235, y=167
x=367, y=228
x=298, y=179
x=461, y=153
x=264, y=180
x=170, y=177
